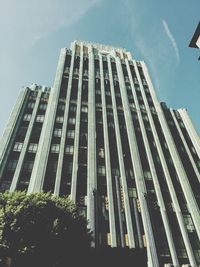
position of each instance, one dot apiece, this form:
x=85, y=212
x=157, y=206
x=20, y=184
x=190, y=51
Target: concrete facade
x=101, y=136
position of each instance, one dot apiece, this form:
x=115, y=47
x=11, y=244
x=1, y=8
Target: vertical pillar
x=185, y=145
x=12, y=127
x=107, y=161
x=25, y=145
x=64, y=129
x=77, y=130
x=164, y=164
x=121, y=163
x=91, y=171
x=141, y=188
x=39, y=168
x=153, y=173
x=190, y=129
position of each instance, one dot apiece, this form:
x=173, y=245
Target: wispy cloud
x=172, y=39
x=31, y=20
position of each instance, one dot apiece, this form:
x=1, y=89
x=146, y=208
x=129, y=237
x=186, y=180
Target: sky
x=156, y=31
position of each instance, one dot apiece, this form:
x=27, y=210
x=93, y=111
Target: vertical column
x=186, y=146
x=77, y=131
x=12, y=127
x=164, y=164
x=92, y=174
x=25, y=144
x=64, y=128
x=121, y=163
x=190, y=129
x=137, y=223
x=107, y=161
x=38, y=173
x=137, y=167
x=154, y=174
x=119, y=209
x=193, y=207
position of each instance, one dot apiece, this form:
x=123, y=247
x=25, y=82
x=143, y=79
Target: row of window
x=31, y=148
x=39, y=118
x=55, y=148
x=42, y=106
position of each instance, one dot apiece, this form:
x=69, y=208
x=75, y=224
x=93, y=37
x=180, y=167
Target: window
x=32, y=148
x=69, y=168
x=31, y=105
x=12, y=164
x=147, y=175
x=27, y=117
x=142, y=106
x=101, y=170
x=22, y=131
x=107, y=93
x=40, y=118
x=18, y=146
x=70, y=133
x=109, y=113
x=84, y=109
x=28, y=166
x=144, y=81
x=55, y=148
x=57, y=132
x=188, y=222
x=117, y=95
x=132, y=105
x=69, y=149
x=182, y=253
x=59, y=119
x=72, y=120
x=101, y=153
x=193, y=149
x=43, y=106
x=115, y=172
x=170, y=122
x=61, y=107
x=153, y=110
x=98, y=92
x=132, y=192
x=145, y=118
x=111, y=124
x=83, y=139
x=72, y=108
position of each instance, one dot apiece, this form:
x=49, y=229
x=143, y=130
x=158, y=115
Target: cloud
x=172, y=39
x=28, y=21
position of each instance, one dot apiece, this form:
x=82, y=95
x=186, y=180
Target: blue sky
x=156, y=31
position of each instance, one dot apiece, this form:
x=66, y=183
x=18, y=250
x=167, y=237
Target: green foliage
x=40, y=225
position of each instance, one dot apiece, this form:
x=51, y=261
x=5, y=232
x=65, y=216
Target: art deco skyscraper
x=100, y=135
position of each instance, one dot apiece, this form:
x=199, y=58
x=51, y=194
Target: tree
x=42, y=228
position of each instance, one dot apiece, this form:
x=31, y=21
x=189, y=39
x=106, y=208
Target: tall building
x=100, y=135
x=195, y=42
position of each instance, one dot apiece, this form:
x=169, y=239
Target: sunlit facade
x=100, y=135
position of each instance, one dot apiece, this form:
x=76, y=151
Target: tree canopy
x=42, y=227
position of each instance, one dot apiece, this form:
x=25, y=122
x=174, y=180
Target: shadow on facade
x=90, y=258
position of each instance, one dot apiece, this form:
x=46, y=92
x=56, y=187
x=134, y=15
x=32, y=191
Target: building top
x=36, y=87
x=107, y=49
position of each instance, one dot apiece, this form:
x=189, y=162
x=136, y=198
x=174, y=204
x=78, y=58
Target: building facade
x=195, y=41
x=100, y=135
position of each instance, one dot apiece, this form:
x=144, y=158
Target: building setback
x=100, y=135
